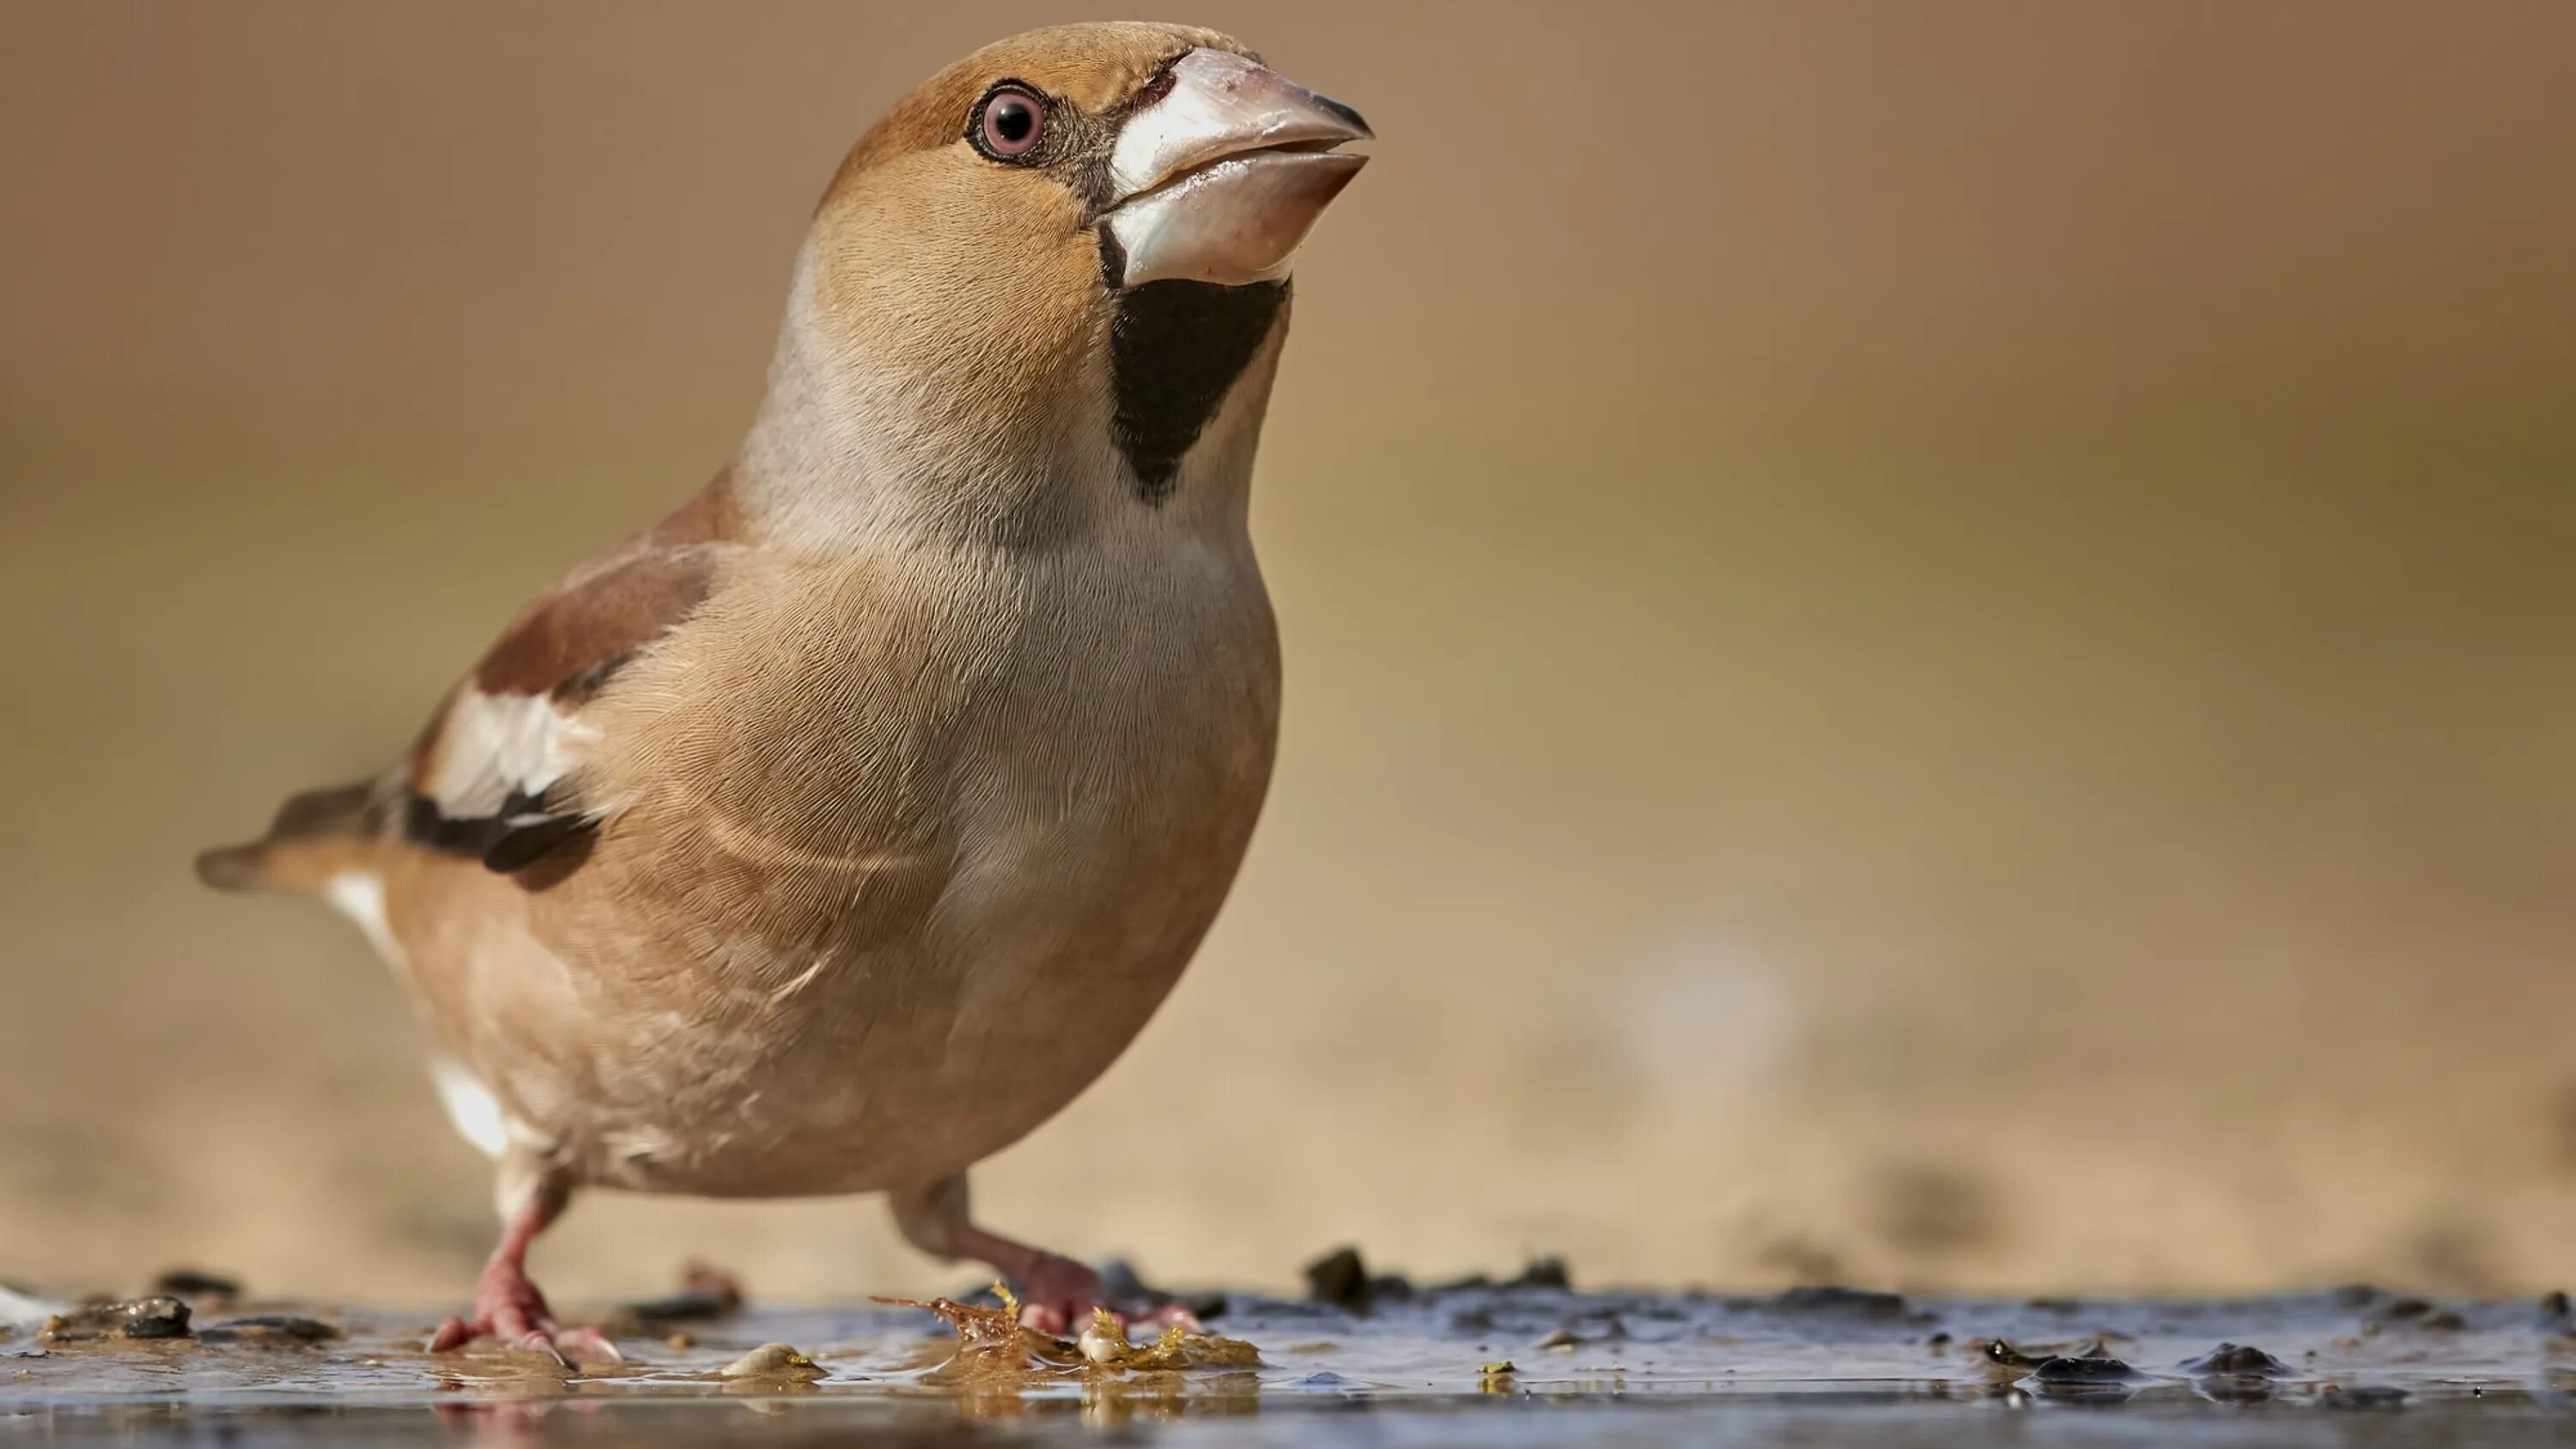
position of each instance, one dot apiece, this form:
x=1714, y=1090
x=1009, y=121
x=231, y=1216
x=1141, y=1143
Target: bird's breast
x=914, y=872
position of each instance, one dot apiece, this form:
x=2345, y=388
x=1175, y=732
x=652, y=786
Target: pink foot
x=509, y=1308
x=1060, y=1295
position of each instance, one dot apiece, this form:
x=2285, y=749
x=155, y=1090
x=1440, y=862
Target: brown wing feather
x=567, y=639
x=482, y=779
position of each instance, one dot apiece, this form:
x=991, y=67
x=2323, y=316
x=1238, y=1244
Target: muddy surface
x=1519, y=1361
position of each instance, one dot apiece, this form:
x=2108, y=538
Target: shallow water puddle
x=1513, y=1363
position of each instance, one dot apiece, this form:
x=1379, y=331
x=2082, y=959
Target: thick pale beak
x=1221, y=178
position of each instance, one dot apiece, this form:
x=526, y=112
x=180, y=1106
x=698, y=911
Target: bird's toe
x=587, y=1345
x=451, y=1335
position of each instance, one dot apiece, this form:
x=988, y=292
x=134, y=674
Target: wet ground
x=1368, y=1361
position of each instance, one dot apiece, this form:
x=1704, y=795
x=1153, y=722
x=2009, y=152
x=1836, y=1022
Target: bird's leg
x=507, y=1306
x=1057, y=1294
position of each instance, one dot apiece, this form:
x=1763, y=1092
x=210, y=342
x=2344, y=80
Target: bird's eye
x=1013, y=122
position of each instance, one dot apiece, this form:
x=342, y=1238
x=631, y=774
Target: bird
x=834, y=832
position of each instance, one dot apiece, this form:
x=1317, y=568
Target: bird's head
x=1048, y=283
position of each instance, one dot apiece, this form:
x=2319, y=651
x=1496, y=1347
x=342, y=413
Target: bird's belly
x=897, y=1063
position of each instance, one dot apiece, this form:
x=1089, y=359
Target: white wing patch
x=500, y=745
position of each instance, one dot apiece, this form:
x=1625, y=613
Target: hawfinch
x=834, y=832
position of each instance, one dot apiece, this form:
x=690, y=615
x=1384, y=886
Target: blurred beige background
x=1928, y=643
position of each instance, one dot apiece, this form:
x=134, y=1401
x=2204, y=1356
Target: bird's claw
x=566, y=1348
x=508, y=1307
x=588, y=1345
x=1063, y=1294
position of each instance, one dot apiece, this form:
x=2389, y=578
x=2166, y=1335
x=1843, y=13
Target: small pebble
x=1103, y=1342
x=1563, y=1338
x=774, y=1361
x=2001, y=1354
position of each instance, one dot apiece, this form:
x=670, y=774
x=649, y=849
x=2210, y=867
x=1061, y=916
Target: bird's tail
x=315, y=836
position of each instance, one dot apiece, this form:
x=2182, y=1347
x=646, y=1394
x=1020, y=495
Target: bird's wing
x=492, y=777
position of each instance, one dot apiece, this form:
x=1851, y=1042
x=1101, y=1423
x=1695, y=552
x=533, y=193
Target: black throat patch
x=1174, y=352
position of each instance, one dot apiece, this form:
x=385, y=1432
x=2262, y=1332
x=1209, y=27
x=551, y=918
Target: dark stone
x=195, y=1283
x=1861, y=1302
x=2088, y=1370
x=1340, y=1278
x=157, y=1317
x=1546, y=1272
x=689, y=1306
x=705, y=1293
x=2237, y=1360
x=268, y=1328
